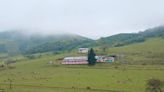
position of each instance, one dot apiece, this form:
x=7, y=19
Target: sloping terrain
x=123, y=39
x=151, y=51
x=37, y=43
x=22, y=42
x=36, y=75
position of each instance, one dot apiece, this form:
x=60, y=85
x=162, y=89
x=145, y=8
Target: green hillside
x=25, y=43
x=151, y=51
x=37, y=43
x=123, y=39
x=36, y=75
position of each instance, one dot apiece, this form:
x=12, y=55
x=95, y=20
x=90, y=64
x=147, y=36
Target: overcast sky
x=91, y=18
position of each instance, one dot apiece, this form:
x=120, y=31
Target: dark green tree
x=91, y=57
x=154, y=85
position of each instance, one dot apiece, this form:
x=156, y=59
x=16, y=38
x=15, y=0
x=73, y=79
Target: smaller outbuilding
x=83, y=50
x=110, y=59
x=105, y=59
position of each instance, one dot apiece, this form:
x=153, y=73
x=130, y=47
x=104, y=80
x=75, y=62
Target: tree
x=154, y=85
x=91, y=57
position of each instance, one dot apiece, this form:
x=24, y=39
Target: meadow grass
x=35, y=75
x=127, y=78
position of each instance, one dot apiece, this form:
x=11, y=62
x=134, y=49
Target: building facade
x=83, y=50
x=105, y=59
x=75, y=60
x=84, y=60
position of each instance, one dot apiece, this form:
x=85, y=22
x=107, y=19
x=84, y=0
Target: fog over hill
x=90, y=18
x=24, y=42
x=36, y=43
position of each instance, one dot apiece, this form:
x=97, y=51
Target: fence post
x=10, y=83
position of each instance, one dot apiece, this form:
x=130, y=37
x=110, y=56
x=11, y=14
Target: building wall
x=83, y=60
x=83, y=50
x=104, y=59
x=74, y=62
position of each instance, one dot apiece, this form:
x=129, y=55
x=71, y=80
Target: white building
x=104, y=59
x=83, y=50
x=84, y=60
x=75, y=60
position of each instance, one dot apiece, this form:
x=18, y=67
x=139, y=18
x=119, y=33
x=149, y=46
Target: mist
x=89, y=18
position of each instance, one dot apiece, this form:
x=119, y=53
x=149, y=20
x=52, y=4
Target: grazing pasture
x=36, y=75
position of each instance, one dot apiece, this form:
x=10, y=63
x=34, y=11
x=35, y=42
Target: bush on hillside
x=154, y=85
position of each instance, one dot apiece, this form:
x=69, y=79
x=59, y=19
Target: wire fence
x=52, y=87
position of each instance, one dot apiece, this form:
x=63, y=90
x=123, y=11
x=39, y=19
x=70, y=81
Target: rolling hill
x=37, y=43
x=150, y=51
x=130, y=38
x=145, y=61
x=20, y=42
x=36, y=75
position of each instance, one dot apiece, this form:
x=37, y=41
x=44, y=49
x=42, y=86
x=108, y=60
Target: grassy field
x=149, y=52
x=35, y=75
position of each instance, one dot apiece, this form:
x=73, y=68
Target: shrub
x=153, y=85
x=143, y=63
x=11, y=67
x=88, y=87
x=116, y=67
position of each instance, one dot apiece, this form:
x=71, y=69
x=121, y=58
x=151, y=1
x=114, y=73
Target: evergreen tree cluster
x=91, y=57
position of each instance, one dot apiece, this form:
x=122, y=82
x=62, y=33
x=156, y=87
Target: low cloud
x=91, y=18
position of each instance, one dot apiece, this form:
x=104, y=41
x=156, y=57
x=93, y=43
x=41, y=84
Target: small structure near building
x=105, y=59
x=110, y=59
x=83, y=50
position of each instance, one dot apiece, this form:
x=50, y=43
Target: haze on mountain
x=16, y=42
x=89, y=18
